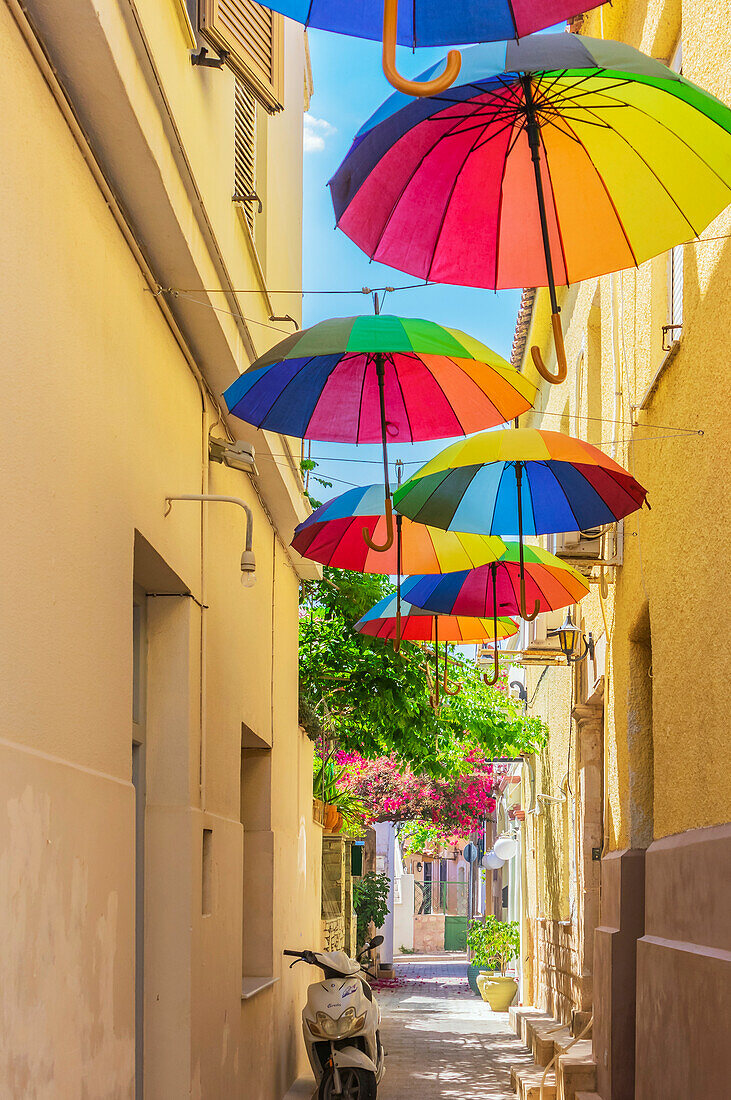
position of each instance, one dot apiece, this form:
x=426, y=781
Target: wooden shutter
x=245, y=150
x=253, y=38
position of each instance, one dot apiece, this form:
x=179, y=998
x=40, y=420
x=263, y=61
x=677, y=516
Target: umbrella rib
x=401, y=390
x=555, y=212
x=406, y=183
x=653, y=173
x=445, y=208
x=498, y=217
x=362, y=391
x=677, y=136
x=565, y=494
x=609, y=197
x=284, y=389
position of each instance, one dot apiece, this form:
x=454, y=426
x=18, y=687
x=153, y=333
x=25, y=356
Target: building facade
x=626, y=836
x=157, y=850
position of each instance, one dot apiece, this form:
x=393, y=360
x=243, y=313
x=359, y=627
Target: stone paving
x=443, y=1042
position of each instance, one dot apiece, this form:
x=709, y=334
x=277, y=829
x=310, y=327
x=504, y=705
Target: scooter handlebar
x=296, y=954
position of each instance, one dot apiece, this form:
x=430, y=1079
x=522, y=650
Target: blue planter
x=473, y=971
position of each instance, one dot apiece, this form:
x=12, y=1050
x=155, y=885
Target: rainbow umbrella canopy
x=365, y=379
x=427, y=23
x=394, y=620
x=418, y=625
x=520, y=480
x=554, y=159
x=495, y=589
x=332, y=535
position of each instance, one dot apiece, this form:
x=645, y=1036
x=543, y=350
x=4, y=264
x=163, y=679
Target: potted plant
x=494, y=944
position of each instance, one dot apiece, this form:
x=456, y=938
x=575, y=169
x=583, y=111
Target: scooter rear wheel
x=356, y=1084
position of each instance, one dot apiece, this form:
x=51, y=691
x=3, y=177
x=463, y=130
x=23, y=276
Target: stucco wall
x=103, y=419
x=671, y=551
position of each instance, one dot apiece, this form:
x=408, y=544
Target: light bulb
x=491, y=861
x=506, y=847
x=248, y=569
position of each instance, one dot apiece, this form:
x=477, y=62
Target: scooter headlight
x=327, y=1027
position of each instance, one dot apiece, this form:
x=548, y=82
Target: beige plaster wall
x=671, y=576
x=103, y=418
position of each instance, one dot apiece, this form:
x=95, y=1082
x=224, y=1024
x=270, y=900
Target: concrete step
x=579, y=1020
x=576, y=1071
x=520, y=1018
x=526, y=1082
x=545, y=1038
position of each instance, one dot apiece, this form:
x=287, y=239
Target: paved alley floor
x=443, y=1042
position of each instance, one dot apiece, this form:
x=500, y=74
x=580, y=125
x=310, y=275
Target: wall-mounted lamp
x=248, y=562
x=491, y=861
x=238, y=455
x=505, y=847
x=570, y=640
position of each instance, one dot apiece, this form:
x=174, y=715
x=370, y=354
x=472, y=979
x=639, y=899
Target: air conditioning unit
x=539, y=646
x=596, y=546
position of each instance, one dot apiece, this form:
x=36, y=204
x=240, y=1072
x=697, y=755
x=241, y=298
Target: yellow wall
x=103, y=417
x=672, y=583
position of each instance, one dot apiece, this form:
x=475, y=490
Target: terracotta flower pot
x=331, y=816
x=498, y=991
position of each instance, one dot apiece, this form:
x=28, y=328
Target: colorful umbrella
x=427, y=23
x=418, y=625
x=392, y=619
x=520, y=479
x=332, y=535
x=556, y=159
x=494, y=589
x=361, y=379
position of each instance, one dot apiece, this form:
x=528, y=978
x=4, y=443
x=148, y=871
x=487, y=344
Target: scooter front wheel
x=355, y=1084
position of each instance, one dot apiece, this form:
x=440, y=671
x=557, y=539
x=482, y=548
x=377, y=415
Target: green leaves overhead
x=375, y=701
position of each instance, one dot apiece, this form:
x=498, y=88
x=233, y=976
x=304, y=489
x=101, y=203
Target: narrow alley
x=443, y=1042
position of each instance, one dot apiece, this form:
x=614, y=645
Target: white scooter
x=341, y=1023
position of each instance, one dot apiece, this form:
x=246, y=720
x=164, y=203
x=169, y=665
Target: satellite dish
x=470, y=852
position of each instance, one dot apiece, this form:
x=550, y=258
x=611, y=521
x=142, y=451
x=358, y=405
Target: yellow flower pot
x=499, y=992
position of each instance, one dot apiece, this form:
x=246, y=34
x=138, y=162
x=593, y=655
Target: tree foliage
x=376, y=701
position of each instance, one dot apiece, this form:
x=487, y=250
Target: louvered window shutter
x=253, y=38
x=245, y=150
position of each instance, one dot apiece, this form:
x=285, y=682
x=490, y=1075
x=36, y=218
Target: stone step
x=545, y=1039
x=576, y=1071
x=588, y=1096
x=520, y=1016
x=526, y=1082
x=579, y=1020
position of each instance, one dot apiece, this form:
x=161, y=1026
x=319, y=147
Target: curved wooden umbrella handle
x=445, y=682
x=389, y=532
x=412, y=87
x=490, y=680
x=560, y=375
x=536, y=606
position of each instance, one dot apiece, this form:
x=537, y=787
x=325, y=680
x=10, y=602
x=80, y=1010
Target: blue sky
x=349, y=85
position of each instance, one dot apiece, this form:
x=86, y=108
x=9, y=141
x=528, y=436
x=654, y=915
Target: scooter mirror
x=375, y=942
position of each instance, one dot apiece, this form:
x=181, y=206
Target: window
x=258, y=862
x=251, y=38
x=245, y=134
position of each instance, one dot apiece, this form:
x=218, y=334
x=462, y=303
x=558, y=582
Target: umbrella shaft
x=381, y=376
x=535, y=145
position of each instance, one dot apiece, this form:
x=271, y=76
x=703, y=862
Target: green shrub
x=370, y=901
x=493, y=942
